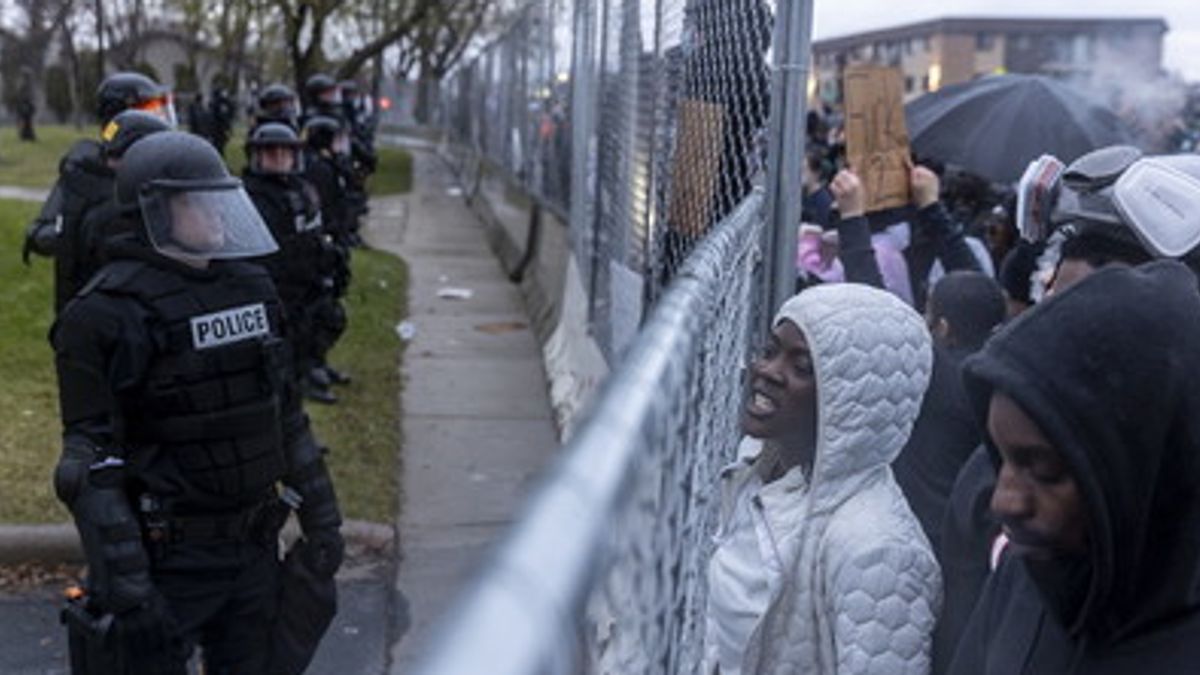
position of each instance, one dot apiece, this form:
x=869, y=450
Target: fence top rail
x=506, y=614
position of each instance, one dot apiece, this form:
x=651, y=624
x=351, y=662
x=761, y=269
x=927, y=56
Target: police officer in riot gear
x=324, y=169
x=180, y=426
x=322, y=96
x=85, y=181
x=303, y=267
x=103, y=222
x=277, y=103
x=363, y=159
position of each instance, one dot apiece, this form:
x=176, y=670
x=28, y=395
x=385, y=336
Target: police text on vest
x=230, y=325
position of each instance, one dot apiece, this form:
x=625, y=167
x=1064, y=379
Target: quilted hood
x=871, y=357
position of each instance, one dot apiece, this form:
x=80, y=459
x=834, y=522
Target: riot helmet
x=125, y=128
x=274, y=149
x=277, y=103
x=322, y=131
x=321, y=89
x=125, y=90
x=192, y=209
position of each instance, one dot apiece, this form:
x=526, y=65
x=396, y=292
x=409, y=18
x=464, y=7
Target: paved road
x=33, y=643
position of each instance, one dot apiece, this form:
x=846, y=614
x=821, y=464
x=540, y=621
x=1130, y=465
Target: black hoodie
x=1107, y=369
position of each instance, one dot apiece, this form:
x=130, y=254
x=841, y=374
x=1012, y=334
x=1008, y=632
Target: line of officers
x=306, y=171
x=194, y=311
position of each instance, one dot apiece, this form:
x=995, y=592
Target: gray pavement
x=477, y=431
x=478, y=426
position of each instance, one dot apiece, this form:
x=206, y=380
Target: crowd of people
x=1009, y=485
x=194, y=312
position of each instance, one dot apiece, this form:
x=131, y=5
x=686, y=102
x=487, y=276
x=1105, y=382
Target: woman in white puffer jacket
x=820, y=566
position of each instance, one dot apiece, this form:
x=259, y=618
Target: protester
x=962, y=311
x=1014, y=277
x=817, y=205
x=820, y=567
x=1092, y=235
x=1093, y=421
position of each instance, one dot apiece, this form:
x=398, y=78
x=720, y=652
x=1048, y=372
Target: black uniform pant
x=223, y=599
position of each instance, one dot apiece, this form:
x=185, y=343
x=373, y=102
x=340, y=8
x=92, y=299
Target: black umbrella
x=996, y=125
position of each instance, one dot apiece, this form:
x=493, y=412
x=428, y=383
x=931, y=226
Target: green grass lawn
x=36, y=164
x=362, y=431
x=29, y=434
x=394, y=173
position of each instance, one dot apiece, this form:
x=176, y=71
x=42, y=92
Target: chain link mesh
x=663, y=131
x=646, y=612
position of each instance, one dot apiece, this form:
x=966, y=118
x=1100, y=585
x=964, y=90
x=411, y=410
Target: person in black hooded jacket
x=1093, y=422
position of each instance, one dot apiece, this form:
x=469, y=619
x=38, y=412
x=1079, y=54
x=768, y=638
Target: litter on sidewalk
x=407, y=330
x=454, y=293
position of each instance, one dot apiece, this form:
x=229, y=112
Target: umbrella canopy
x=996, y=125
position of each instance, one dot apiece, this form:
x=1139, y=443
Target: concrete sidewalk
x=477, y=422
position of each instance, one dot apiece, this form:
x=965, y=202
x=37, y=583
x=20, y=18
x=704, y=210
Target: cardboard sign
x=876, y=135
x=696, y=165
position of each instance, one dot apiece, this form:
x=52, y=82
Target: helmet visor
x=285, y=160
x=162, y=105
x=217, y=222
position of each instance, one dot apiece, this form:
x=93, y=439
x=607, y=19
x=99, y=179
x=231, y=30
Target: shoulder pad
x=241, y=268
x=83, y=153
x=114, y=276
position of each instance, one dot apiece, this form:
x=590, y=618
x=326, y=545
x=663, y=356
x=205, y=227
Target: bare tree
x=25, y=43
x=439, y=42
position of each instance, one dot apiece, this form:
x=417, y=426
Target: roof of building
x=986, y=24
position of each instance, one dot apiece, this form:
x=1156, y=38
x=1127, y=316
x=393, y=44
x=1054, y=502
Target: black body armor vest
x=302, y=261
x=207, y=416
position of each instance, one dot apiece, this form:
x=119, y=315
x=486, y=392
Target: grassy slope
x=29, y=433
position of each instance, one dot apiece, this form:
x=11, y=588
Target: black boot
x=315, y=391
x=335, y=376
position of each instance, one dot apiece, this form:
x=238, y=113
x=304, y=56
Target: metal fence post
x=793, y=34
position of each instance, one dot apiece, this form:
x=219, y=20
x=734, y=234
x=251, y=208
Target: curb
x=59, y=542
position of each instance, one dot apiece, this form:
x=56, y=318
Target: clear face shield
x=162, y=105
x=331, y=95
x=287, y=108
x=196, y=221
x=284, y=160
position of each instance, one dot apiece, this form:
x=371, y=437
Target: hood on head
x=1106, y=369
x=871, y=358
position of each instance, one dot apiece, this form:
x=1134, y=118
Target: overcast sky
x=832, y=18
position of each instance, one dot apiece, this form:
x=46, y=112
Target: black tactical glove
x=318, y=512
x=323, y=552
x=148, y=630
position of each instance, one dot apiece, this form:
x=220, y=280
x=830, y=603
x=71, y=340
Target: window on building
x=984, y=42
x=927, y=43
x=924, y=83
x=908, y=84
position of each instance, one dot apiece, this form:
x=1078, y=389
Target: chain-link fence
x=662, y=139
x=605, y=572
x=671, y=98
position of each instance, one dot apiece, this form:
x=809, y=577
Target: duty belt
x=164, y=528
